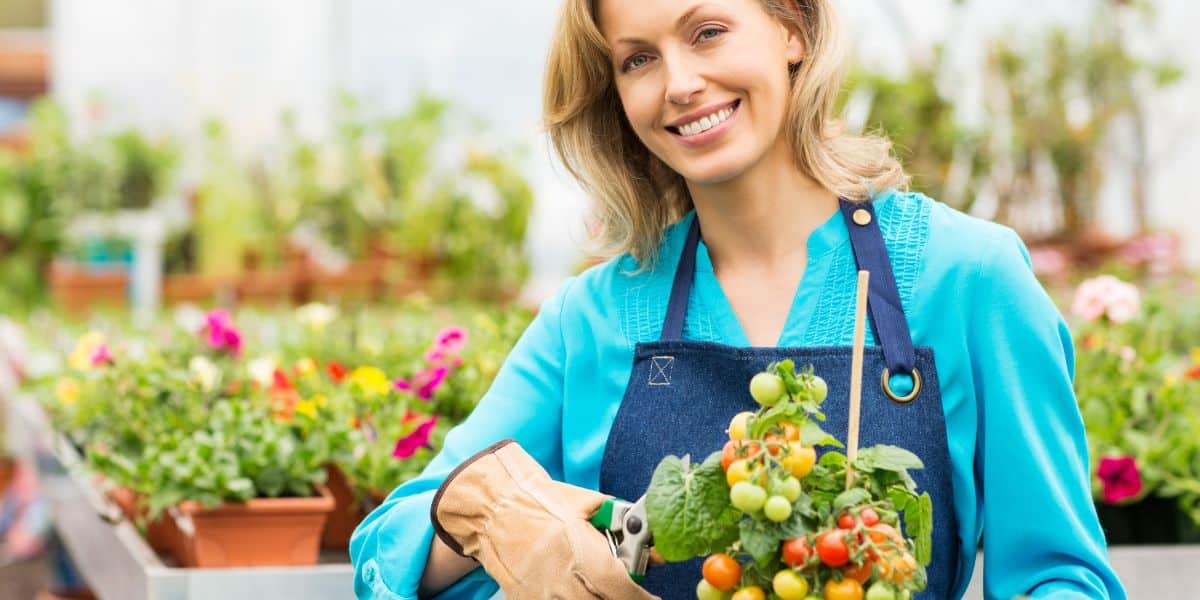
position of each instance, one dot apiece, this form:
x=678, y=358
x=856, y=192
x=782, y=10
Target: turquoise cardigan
x=1004, y=357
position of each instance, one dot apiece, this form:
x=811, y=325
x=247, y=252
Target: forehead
x=644, y=19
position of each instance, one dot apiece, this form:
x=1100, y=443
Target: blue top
x=1004, y=359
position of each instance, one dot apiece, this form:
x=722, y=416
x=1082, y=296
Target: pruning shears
x=628, y=532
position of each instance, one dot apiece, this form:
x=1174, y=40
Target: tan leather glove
x=530, y=533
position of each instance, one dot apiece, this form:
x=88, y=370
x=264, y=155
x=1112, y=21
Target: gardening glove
x=530, y=532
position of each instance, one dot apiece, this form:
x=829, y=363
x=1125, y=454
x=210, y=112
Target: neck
x=763, y=217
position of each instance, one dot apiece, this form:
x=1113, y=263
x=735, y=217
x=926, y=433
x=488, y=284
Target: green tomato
x=819, y=389
x=789, y=488
x=777, y=508
x=789, y=585
x=747, y=497
x=882, y=590
x=767, y=388
x=705, y=591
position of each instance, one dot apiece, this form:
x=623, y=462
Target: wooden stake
x=856, y=369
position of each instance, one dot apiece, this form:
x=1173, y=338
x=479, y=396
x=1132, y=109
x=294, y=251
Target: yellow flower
x=307, y=407
x=371, y=380
x=320, y=400
x=306, y=366
x=1171, y=379
x=81, y=356
x=1196, y=356
x=67, y=390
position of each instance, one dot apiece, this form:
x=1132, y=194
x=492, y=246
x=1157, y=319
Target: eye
x=634, y=62
x=708, y=33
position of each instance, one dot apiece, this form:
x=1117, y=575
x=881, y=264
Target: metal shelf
x=114, y=558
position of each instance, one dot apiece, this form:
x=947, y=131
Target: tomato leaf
x=851, y=497
x=811, y=434
x=761, y=538
x=887, y=458
x=688, y=508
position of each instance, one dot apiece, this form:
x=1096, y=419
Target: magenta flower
x=451, y=340
x=101, y=356
x=221, y=333
x=419, y=438
x=1119, y=477
x=401, y=385
x=428, y=381
x=434, y=356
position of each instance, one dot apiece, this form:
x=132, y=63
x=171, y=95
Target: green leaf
x=851, y=497
x=811, y=434
x=888, y=458
x=688, y=508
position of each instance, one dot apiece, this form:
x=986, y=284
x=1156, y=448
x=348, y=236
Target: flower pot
x=347, y=512
x=161, y=533
x=260, y=532
x=194, y=287
x=1153, y=520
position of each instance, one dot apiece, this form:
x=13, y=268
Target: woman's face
x=704, y=84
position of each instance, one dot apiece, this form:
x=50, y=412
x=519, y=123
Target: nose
x=683, y=81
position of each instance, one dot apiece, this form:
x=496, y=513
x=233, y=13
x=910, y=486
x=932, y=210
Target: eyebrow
x=679, y=23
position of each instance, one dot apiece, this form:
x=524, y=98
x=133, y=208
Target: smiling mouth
x=705, y=123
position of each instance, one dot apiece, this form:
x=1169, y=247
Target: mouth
x=706, y=121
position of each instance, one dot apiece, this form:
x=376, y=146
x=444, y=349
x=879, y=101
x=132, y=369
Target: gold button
x=862, y=217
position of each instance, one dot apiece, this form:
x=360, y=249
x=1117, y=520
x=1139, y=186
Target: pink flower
x=1106, y=296
x=1049, y=261
x=451, y=340
x=428, y=381
x=419, y=438
x=101, y=356
x=221, y=333
x=402, y=385
x=434, y=356
x=1119, y=477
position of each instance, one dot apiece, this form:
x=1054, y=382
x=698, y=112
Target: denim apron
x=681, y=394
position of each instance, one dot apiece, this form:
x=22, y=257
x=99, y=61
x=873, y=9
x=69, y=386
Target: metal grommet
x=862, y=217
x=905, y=399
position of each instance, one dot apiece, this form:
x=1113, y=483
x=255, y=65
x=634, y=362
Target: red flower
x=1120, y=478
x=280, y=381
x=1192, y=374
x=336, y=371
x=419, y=438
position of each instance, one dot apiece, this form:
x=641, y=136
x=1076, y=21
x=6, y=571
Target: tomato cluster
x=855, y=554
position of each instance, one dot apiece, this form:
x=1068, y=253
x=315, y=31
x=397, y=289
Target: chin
x=711, y=172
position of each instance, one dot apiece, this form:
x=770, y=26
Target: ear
x=792, y=39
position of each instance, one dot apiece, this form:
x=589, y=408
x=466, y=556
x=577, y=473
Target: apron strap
x=883, y=301
x=685, y=273
x=870, y=253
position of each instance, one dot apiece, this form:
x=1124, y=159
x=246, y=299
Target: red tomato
x=860, y=573
x=832, y=549
x=869, y=517
x=722, y=572
x=846, y=521
x=732, y=452
x=796, y=551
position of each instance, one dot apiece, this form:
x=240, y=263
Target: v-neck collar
x=825, y=239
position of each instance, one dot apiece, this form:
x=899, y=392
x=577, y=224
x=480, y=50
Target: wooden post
x=856, y=370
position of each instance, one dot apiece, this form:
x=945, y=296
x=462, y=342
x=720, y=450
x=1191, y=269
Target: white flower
x=316, y=315
x=262, y=370
x=205, y=372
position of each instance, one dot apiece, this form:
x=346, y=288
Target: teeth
x=705, y=123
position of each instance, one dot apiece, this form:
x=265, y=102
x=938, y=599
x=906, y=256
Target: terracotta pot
x=347, y=512
x=260, y=532
x=161, y=533
x=78, y=290
x=194, y=287
x=8, y=469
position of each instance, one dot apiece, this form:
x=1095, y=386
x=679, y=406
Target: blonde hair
x=636, y=195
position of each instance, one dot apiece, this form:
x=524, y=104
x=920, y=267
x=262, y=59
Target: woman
x=682, y=117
